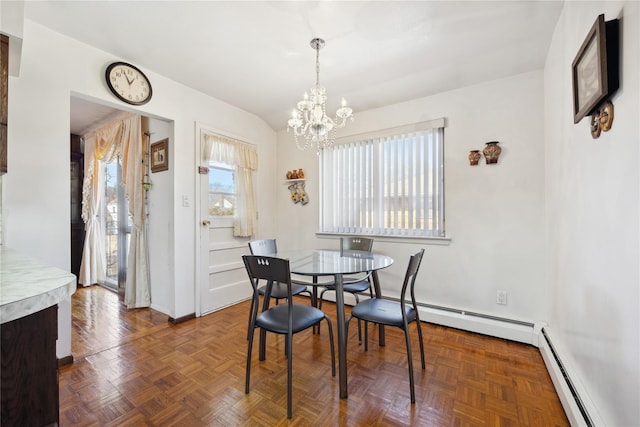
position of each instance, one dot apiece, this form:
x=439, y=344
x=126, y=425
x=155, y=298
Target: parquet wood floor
x=133, y=368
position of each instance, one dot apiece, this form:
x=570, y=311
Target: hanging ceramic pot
x=474, y=157
x=492, y=152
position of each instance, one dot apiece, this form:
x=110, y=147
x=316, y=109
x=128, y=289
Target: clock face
x=128, y=83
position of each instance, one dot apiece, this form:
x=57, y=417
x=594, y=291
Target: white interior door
x=223, y=278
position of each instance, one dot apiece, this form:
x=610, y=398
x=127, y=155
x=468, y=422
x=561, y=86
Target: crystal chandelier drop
x=310, y=123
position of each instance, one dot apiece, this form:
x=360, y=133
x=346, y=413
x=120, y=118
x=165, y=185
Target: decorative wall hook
x=601, y=120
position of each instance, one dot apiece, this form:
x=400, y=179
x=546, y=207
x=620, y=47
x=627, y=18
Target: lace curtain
x=122, y=138
x=244, y=157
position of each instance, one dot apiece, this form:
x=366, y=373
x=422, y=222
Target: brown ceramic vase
x=492, y=152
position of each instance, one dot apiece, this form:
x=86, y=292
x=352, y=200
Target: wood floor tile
x=133, y=368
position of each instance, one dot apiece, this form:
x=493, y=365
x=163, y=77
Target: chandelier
x=310, y=123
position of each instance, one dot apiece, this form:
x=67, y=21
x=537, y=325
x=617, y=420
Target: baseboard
x=181, y=319
x=577, y=405
x=67, y=360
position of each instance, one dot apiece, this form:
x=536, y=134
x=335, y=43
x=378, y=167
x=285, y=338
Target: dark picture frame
x=594, y=69
x=159, y=156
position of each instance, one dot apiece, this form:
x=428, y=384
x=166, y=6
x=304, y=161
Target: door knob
x=206, y=222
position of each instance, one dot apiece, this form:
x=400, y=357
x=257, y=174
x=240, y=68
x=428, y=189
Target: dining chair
x=285, y=319
x=278, y=290
x=352, y=284
x=395, y=313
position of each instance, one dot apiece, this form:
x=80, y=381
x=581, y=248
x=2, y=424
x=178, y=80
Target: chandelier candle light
x=310, y=119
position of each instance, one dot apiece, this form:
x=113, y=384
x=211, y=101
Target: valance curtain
x=122, y=137
x=217, y=148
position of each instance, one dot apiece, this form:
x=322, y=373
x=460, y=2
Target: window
x=234, y=165
x=222, y=190
x=385, y=184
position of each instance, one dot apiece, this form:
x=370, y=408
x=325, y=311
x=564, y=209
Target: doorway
x=86, y=116
x=116, y=223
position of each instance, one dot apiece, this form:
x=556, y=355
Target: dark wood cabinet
x=4, y=100
x=29, y=377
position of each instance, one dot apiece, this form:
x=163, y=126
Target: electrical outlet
x=502, y=298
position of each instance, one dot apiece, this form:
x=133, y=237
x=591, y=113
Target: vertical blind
x=386, y=185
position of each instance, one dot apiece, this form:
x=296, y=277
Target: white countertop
x=28, y=286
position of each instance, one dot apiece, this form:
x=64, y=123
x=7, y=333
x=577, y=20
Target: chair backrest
x=263, y=247
x=268, y=268
x=410, y=276
x=356, y=244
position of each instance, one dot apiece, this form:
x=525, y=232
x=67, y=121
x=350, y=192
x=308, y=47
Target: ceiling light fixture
x=310, y=123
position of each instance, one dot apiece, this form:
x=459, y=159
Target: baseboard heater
x=574, y=406
x=495, y=326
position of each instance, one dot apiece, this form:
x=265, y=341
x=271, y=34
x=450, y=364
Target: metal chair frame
x=395, y=313
x=285, y=319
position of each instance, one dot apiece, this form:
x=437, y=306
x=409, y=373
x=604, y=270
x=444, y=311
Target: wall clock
x=128, y=83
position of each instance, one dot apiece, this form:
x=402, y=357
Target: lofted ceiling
x=256, y=55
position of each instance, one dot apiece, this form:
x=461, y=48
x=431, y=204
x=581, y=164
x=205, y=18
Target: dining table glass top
x=315, y=262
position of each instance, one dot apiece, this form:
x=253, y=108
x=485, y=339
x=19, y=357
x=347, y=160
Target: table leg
x=342, y=337
x=378, y=292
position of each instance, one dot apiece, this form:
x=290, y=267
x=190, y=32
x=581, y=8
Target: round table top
x=321, y=262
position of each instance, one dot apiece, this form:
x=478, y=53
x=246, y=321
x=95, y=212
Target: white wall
x=160, y=199
x=592, y=219
x=494, y=213
x=36, y=189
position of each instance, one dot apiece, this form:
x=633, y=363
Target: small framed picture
x=160, y=156
x=594, y=69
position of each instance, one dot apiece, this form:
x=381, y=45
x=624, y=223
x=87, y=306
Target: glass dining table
x=322, y=262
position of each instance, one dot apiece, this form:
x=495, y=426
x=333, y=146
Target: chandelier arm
x=340, y=122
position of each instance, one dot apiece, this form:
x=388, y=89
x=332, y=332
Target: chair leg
x=263, y=344
x=410, y=363
x=366, y=335
x=250, y=317
x=314, y=303
x=289, y=374
x=420, y=341
x=249, y=349
x=319, y=305
x=359, y=326
x=333, y=352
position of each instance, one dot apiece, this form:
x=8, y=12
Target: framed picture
x=594, y=73
x=160, y=156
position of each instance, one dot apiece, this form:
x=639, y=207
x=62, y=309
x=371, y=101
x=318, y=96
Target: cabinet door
x=4, y=100
x=29, y=374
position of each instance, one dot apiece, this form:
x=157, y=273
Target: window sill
x=436, y=241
